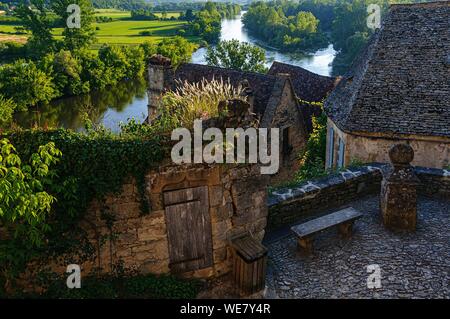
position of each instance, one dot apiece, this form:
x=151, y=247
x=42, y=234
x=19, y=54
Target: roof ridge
x=438, y=3
x=228, y=69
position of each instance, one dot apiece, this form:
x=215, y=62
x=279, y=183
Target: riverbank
x=129, y=100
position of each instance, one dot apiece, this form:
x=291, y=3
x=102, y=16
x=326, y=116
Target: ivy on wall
x=92, y=165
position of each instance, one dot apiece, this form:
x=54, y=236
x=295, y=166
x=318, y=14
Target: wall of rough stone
x=427, y=153
x=434, y=182
x=288, y=115
x=237, y=205
x=288, y=205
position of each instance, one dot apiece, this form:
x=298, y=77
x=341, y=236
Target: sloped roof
x=261, y=84
x=308, y=86
x=401, y=82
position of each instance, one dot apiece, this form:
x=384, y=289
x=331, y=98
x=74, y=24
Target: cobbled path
x=412, y=265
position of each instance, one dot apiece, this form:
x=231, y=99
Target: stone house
x=396, y=92
x=276, y=98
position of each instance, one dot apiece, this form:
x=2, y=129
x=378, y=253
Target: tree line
x=307, y=25
x=48, y=68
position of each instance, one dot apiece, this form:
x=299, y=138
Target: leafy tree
x=286, y=25
x=25, y=84
x=178, y=49
x=237, y=55
x=36, y=20
x=65, y=70
x=76, y=38
x=24, y=204
x=7, y=107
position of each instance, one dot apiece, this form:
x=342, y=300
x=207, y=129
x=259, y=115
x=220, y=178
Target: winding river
x=129, y=99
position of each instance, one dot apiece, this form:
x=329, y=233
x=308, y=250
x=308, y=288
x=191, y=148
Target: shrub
x=196, y=100
x=25, y=84
x=24, y=204
x=7, y=107
x=312, y=159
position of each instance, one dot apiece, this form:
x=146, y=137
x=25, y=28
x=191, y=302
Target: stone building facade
x=275, y=98
x=195, y=210
x=396, y=92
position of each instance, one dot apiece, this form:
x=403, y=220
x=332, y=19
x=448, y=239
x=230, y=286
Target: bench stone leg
x=305, y=245
x=346, y=229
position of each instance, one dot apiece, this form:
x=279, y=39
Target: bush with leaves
x=7, y=107
x=238, y=56
x=26, y=84
x=24, y=203
x=312, y=159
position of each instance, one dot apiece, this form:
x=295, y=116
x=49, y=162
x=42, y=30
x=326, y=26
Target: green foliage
x=93, y=165
x=121, y=286
x=178, y=49
x=312, y=159
x=36, y=19
x=236, y=55
x=206, y=23
x=7, y=107
x=26, y=84
x=285, y=25
x=76, y=38
x=24, y=204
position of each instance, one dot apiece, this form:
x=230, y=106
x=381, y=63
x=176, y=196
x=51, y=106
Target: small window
x=287, y=147
x=330, y=148
x=341, y=153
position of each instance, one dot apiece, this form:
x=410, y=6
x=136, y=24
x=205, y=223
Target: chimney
x=159, y=73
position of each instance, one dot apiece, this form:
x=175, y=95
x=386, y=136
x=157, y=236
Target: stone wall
x=288, y=205
x=434, y=182
x=237, y=205
x=288, y=116
x=428, y=152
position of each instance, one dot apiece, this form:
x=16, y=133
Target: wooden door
x=188, y=229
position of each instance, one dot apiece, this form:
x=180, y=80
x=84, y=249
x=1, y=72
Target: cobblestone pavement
x=412, y=265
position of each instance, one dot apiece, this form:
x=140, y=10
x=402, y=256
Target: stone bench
x=343, y=219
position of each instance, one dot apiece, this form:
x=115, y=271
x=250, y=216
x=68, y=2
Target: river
x=129, y=99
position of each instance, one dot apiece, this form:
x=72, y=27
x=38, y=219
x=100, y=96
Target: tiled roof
x=261, y=84
x=401, y=82
x=308, y=86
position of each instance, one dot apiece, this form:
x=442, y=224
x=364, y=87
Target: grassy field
x=120, y=31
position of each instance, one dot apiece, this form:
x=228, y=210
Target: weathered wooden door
x=188, y=229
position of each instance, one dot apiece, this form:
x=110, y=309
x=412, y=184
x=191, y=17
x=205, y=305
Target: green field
x=122, y=30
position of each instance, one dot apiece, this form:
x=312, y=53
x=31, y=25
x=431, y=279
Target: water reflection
x=109, y=107
x=129, y=99
x=318, y=62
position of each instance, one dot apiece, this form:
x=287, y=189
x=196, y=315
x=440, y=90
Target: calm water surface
x=129, y=100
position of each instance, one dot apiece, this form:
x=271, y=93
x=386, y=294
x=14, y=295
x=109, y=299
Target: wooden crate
x=249, y=265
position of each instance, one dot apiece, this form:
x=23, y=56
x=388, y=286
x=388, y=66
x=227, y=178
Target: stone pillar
x=399, y=191
x=159, y=71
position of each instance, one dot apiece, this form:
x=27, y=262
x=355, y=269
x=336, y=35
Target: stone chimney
x=399, y=190
x=159, y=72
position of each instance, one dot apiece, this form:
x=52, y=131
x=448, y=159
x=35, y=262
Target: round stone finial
x=401, y=154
